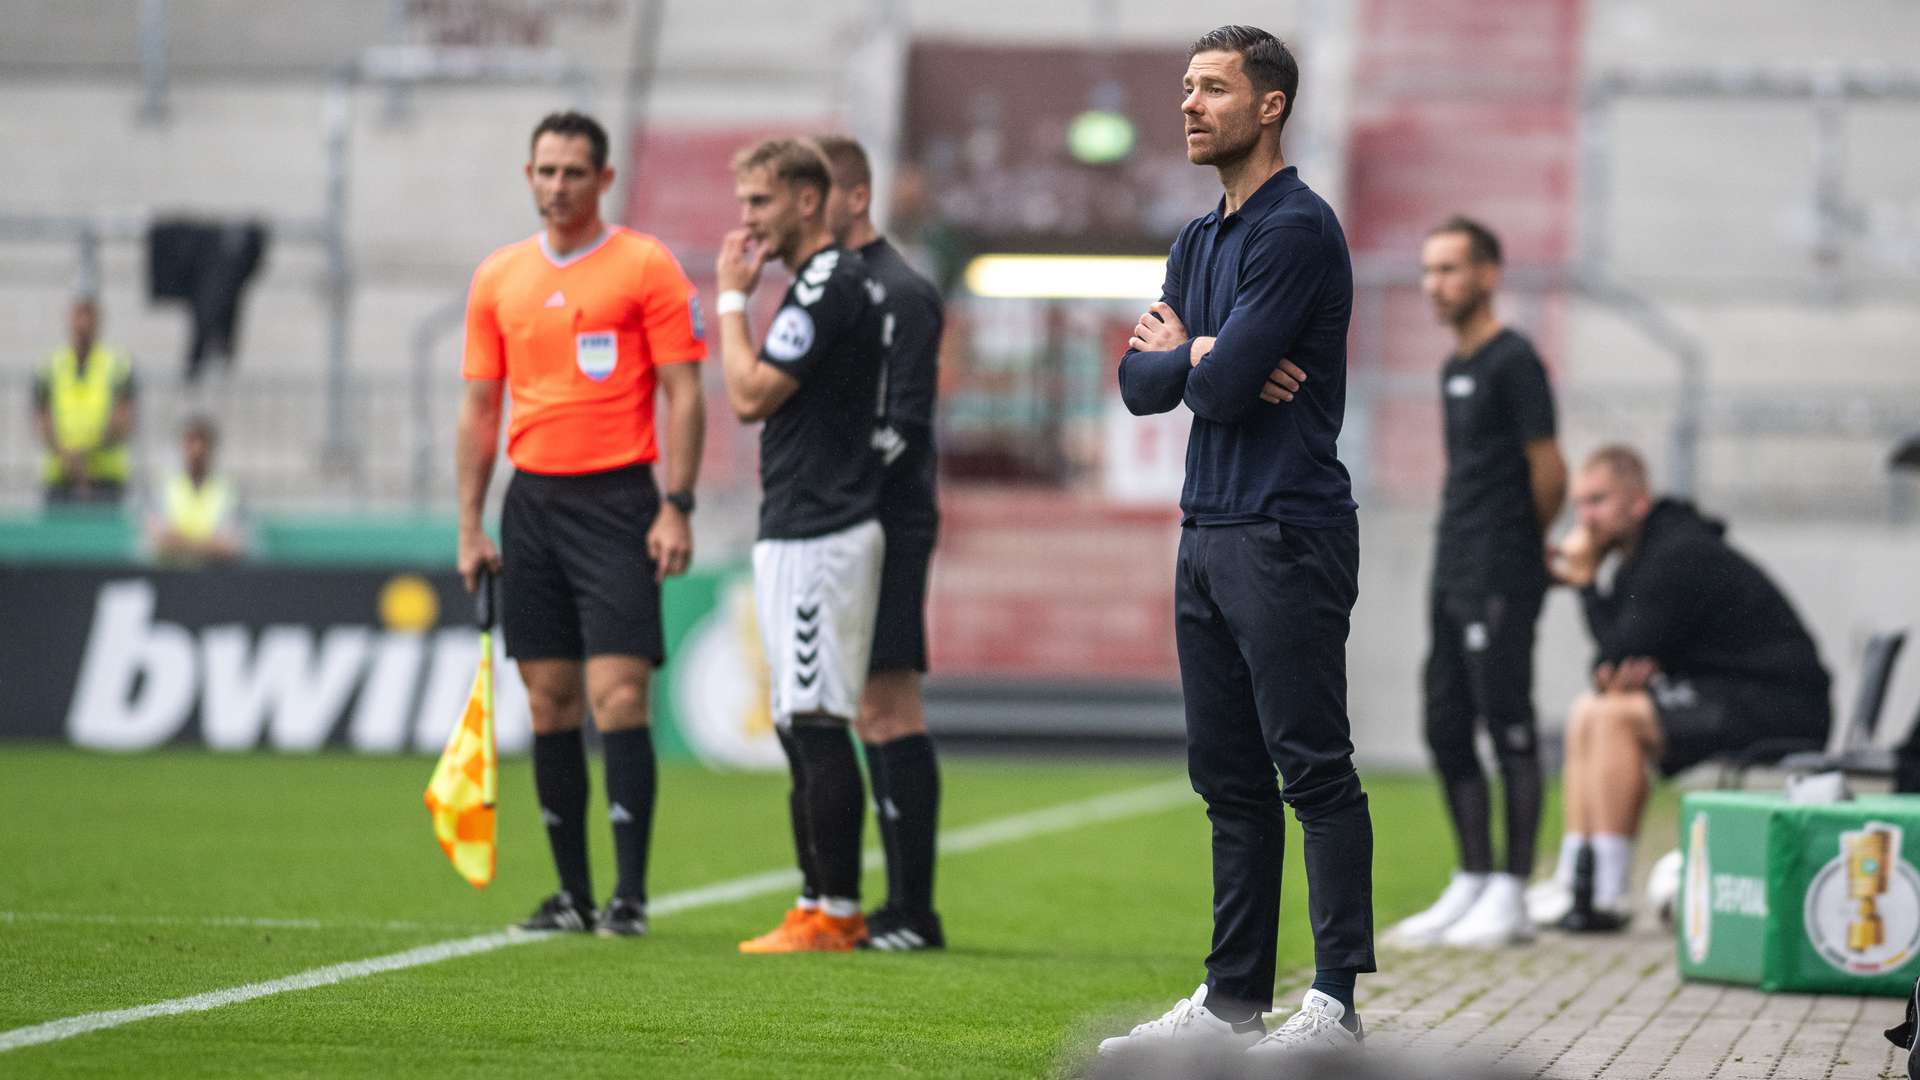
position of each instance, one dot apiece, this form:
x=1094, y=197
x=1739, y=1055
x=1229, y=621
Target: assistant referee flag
x=465, y=783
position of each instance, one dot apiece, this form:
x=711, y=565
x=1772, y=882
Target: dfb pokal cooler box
x=1801, y=897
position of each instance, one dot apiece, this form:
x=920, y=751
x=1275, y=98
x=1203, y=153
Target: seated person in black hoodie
x=1697, y=653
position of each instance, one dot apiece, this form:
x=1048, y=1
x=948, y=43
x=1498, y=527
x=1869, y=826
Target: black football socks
x=560, y=781
x=797, y=817
x=906, y=794
x=834, y=806
x=632, y=779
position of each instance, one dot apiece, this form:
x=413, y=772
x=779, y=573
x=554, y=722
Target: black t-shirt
x=1495, y=403
x=905, y=440
x=819, y=472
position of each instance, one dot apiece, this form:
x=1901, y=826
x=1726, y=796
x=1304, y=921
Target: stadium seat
x=1855, y=754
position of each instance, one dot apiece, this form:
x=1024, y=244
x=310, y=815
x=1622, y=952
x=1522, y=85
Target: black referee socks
x=560, y=781
x=632, y=777
x=906, y=793
x=835, y=804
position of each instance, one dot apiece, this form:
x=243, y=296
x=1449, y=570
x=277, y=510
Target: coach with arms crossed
x=1269, y=554
x=583, y=321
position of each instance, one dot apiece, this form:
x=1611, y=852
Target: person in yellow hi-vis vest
x=83, y=407
x=196, y=517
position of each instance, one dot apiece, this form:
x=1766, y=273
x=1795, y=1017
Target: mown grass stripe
x=1014, y=828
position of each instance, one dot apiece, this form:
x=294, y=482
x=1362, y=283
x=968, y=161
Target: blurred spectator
x=196, y=517
x=83, y=407
x=1697, y=653
x=1505, y=484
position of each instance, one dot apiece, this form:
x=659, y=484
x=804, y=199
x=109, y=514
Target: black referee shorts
x=900, y=622
x=576, y=580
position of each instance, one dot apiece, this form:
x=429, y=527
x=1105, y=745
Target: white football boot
x=1549, y=901
x=1315, y=1029
x=1186, y=1025
x=1497, y=918
x=1418, y=931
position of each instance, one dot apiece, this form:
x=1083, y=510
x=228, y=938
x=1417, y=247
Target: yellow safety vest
x=82, y=407
x=197, y=513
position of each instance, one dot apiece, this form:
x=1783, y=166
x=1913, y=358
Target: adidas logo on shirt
x=558, y=299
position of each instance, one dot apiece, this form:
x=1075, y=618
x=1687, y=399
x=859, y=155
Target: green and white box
x=1784, y=896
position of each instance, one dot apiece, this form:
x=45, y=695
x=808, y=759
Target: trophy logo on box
x=1863, y=908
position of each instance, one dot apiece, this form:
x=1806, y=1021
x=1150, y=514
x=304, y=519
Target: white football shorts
x=816, y=600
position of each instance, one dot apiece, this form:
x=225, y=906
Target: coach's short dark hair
x=847, y=158
x=1269, y=63
x=574, y=123
x=793, y=162
x=1482, y=245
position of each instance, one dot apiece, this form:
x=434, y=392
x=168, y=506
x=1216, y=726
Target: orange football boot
x=810, y=931
x=789, y=936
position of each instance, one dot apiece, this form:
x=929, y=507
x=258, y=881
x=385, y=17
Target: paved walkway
x=1592, y=1007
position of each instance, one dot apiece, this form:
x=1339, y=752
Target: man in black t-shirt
x=1696, y=653
x=816, y=568
x=901, y=765
x=1505, y=483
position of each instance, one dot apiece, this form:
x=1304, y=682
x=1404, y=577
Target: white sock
x=1612, y=868
x=1570, y=846
x=806, y=903
x=839, y=907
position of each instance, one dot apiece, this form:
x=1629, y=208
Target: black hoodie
x=1696, y=607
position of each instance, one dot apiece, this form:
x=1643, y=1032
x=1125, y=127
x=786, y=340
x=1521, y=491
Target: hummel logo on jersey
x=558, y=299
x=877, y=291
x=619, y=815
x=807, y=294
x=549, y=818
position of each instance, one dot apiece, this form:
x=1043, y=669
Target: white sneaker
x=1498, y=918
x=1549, y=901
x=1315, y=1029
x=1425, y=928
x=1187, y=1024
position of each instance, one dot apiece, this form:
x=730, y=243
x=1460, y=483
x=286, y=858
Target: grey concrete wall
x=1846, y=580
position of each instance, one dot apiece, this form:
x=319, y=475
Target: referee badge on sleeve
x=597, y=353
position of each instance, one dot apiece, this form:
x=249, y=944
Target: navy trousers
x=1261, y=615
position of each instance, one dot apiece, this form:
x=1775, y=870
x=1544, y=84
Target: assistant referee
x=583, y=321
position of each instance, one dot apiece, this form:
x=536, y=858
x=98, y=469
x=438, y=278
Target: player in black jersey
x=1505, y=483
x=901, y=765
x=816, y=567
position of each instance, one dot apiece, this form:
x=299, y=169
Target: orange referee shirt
x=577, y=341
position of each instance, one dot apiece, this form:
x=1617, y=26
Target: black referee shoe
x=891, y=930
x=559, y=912
x=622, y=917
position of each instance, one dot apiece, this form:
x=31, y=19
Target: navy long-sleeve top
x=1272, y=281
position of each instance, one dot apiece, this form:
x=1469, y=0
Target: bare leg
x=617, y=687
x=1576, y=787
x=1626, y=741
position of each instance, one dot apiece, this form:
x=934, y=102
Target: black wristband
x=680, y=500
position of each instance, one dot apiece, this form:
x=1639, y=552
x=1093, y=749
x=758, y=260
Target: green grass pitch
x=115, y=874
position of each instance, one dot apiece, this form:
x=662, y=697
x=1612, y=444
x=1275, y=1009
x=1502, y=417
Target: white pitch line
x=67, y=1028
x=231, y=922
x=1012, y=829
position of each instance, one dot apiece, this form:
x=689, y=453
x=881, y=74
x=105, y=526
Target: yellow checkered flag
x=466, y=781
